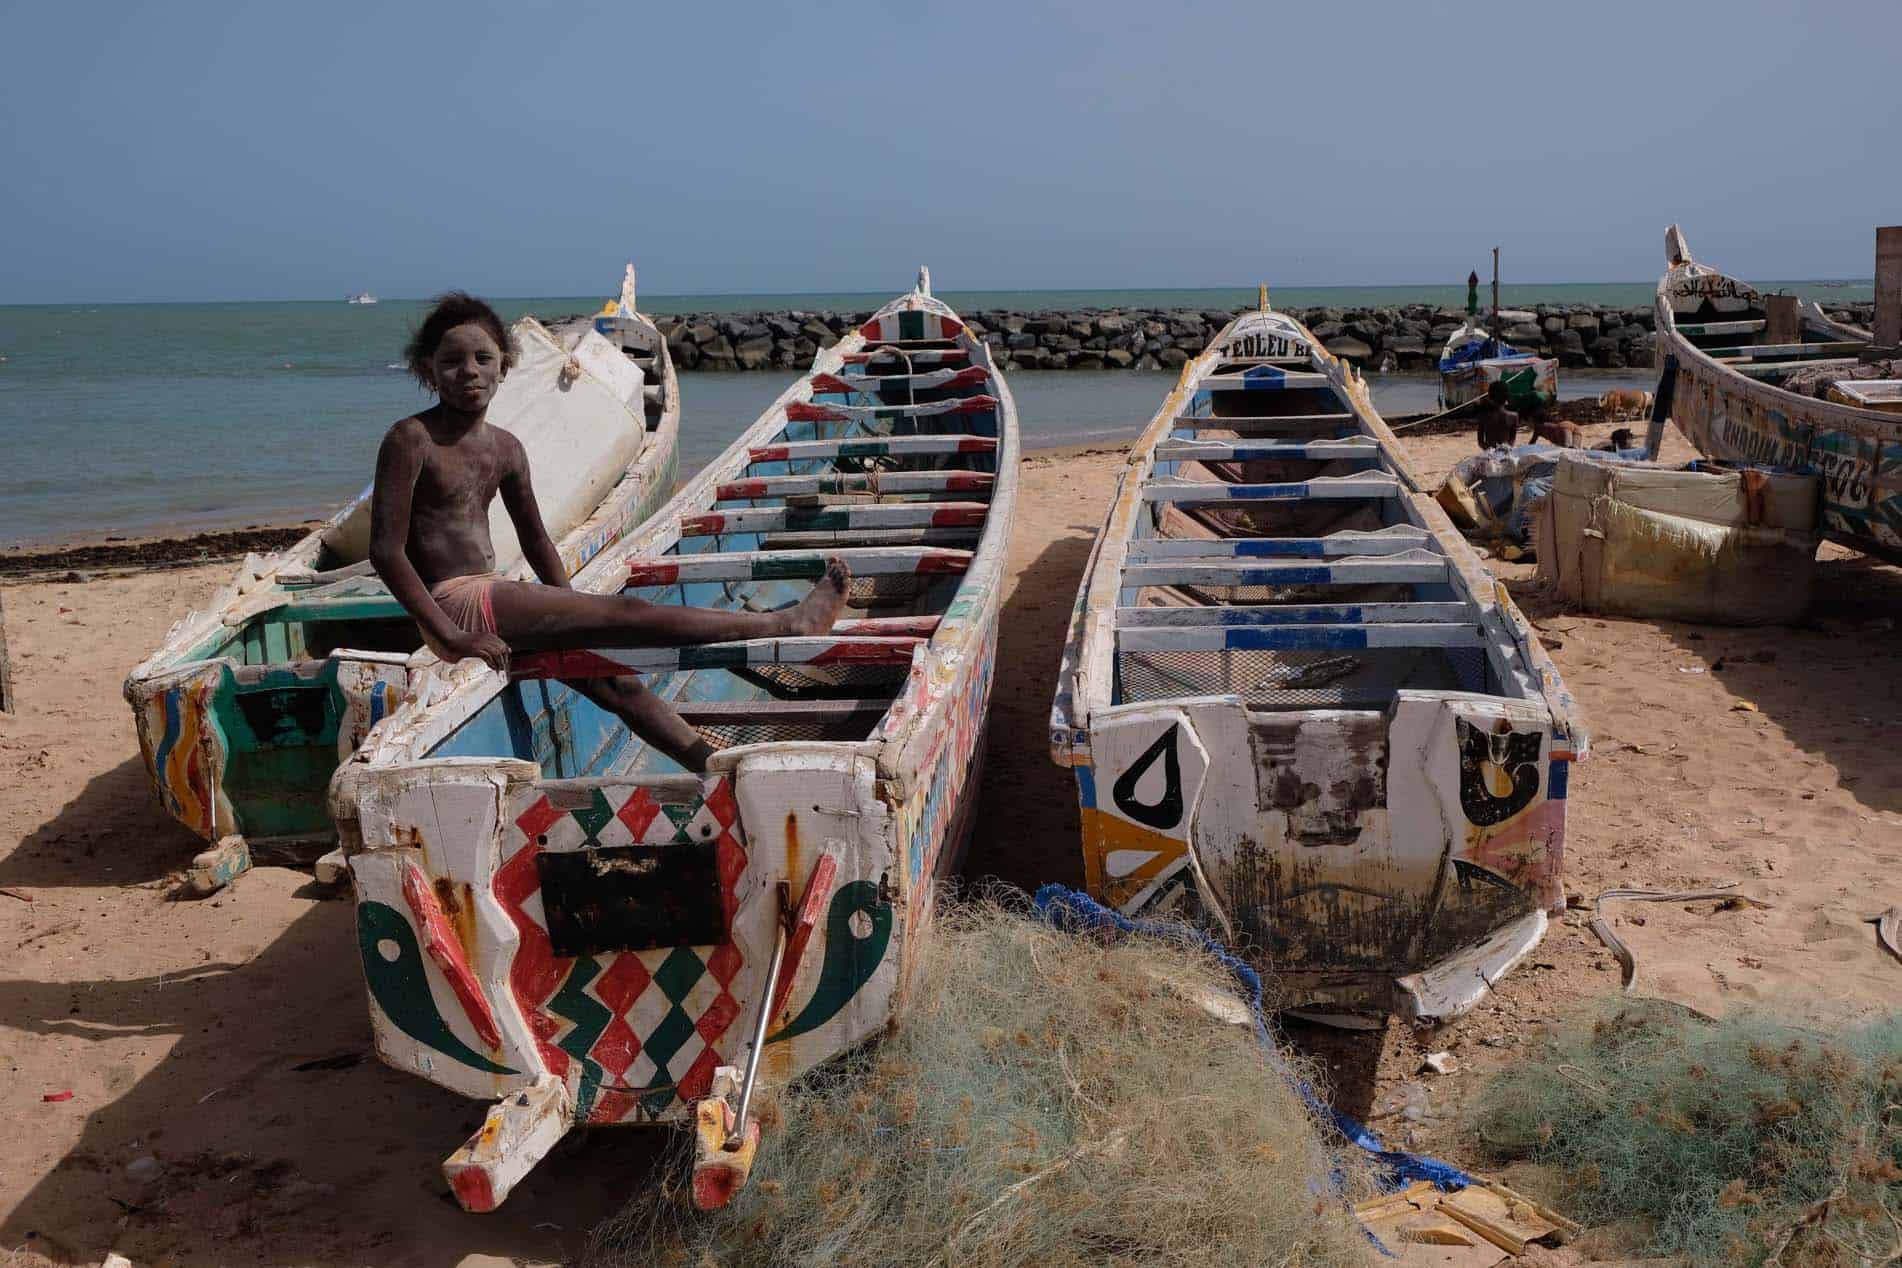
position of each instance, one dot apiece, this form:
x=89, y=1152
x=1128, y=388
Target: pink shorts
x=469, y=602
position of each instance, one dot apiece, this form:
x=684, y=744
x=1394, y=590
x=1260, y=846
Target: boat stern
x=1397, y=860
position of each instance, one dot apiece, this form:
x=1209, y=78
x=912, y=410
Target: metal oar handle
x=736, y=1136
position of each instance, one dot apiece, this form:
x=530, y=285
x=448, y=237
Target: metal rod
x=738, y=1135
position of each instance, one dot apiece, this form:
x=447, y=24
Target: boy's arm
x=518, y=495
x=398, y=463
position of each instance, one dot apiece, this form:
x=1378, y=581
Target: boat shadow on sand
x=274, y=1126
x=112, y=833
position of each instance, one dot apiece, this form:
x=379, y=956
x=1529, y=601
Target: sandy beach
x=191, y=1082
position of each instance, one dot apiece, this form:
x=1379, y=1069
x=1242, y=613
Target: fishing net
x=1743, y=1141
x=1047, y=1097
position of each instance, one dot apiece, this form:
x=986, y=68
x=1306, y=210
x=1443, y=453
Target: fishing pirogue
x=1296, y=704
x=555, y=915
x=249, y=704
x=1758, y=378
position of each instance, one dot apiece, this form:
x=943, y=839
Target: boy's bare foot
x=815, y=613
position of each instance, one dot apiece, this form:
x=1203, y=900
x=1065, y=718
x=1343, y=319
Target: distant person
x=1621, y=440
x=1497, y=425
x=436, y=474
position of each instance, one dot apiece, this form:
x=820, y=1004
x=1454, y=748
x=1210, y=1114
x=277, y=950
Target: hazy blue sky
x=219, y=151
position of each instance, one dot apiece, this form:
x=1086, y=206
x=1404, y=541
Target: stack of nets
x=1744, y=1141
x=1046, y=1098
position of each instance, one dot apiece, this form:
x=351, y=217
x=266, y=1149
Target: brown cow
x=1625, y=402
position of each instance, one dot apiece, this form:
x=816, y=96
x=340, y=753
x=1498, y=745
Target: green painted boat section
x=281, y=733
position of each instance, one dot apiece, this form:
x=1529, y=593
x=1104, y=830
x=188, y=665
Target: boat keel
x=519, y=1132
x=1451, y=987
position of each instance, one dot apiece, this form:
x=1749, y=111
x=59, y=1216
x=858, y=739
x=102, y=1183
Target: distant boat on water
x=361, y=297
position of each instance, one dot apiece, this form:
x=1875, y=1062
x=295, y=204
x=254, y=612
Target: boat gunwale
x=404, y=739
x=1083, y=685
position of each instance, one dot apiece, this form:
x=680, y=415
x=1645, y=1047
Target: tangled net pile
x=1047, y=1098
x=1744, y=1141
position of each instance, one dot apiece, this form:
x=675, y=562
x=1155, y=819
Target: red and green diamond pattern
x=643, y=1027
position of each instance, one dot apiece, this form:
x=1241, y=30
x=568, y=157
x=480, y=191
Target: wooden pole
x=6, y=666
x=1496, y=330
x=1888, y=320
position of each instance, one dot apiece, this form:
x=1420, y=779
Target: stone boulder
x=1349, y=347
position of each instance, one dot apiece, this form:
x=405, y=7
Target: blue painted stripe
x=1294, y=639
x=1264, y=376
x=173, y=726
x=1085, y=786
x=1265, y=577
x=1556, y=781
x=1267, y=549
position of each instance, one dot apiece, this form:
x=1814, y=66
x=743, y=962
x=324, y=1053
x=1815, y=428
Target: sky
x=207, y=151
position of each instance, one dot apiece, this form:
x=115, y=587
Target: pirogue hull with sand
x=554, y=915
x=1728, y=396
x=1299, y=708
x=248, y=705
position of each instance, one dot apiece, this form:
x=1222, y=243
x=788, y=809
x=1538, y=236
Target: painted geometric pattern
x=645, y=1028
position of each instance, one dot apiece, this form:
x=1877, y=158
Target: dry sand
x=187, y=1031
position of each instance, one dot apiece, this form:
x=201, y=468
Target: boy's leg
x=529, y=616
x=649, y=717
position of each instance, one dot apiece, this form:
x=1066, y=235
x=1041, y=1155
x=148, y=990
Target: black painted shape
x=1515, y=752
x=1167, y=812
x=632, y=898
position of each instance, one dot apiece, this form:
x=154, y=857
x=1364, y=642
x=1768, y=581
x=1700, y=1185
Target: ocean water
x=143, y=418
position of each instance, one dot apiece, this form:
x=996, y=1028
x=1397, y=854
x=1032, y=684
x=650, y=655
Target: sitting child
x=437, y=472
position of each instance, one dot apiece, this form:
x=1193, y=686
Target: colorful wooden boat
x=1299, y=708
x=248, y=705
x=1724, y=368
x=1473, y=360
x=555, y=916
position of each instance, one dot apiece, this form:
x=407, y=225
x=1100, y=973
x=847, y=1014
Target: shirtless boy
x=1497, y=424
x=437, y=472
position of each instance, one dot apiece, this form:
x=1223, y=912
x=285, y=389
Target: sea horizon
x=1514, y=293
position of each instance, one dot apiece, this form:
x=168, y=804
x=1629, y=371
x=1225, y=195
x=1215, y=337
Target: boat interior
x=1765, y=337
x=890, y=465
x=1275, y=558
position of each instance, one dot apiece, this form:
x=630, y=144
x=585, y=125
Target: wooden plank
x=1371, y=485
x=1701, y=330
x=766, y=712
x=970, y=376
x=1297, y=638
x=957, y=538
x=351, y=607
x=1198, y=422
x=879, y=447
x=1386, y=541
x=1290, y=614
x=793, y=519
x=1263, y=379
x=1412, y=567
x=1767, y=369
x=1767, y=351
x=865, y=482
x=923, y=356
x=610, y=662
x=1241, y=451
x=829, y=412
x=870, y=561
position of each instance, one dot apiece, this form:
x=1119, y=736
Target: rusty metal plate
x=632, y=898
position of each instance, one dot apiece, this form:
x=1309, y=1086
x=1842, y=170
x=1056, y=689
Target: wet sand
x=227, y=1039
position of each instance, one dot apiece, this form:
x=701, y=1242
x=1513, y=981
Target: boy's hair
x=452, y=309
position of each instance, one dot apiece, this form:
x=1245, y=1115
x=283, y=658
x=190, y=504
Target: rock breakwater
x=1405, y=338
